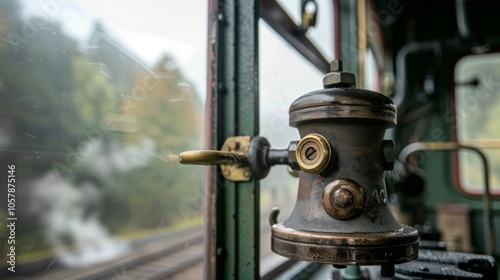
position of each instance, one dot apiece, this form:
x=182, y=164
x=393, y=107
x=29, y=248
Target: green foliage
x=92, y=95
x=53, y=93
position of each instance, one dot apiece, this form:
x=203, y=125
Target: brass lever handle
x=242, y=158
x=204, y=157
x=233, y=158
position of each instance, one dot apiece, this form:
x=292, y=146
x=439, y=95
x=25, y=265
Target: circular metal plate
x=375, y=248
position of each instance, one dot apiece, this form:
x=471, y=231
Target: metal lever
x=213, y=158
x=233, y=158
x=241, y=159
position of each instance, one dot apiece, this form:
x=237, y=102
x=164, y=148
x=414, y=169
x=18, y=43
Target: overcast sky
x=150, y=28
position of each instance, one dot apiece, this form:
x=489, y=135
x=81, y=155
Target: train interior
x=98, y=99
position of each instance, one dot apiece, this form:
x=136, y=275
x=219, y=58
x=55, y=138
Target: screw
x=343, y=198
x=311, y=153
x=234, y=145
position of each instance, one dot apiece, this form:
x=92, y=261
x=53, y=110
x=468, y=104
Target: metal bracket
x=236, y=172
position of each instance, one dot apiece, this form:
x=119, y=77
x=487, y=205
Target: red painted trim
x=455, y=157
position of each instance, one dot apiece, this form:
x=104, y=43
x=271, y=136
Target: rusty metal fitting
x=337, y=78
x=343, y=200
x=292, y=156
x=389, y=154
x=341, y=216
x=313, y=153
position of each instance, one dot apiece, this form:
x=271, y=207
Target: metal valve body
x=341, y=215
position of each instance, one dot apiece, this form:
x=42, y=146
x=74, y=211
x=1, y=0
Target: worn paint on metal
x=233, y=93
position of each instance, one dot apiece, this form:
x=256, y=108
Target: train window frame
x=462, y=108
x=231, y=254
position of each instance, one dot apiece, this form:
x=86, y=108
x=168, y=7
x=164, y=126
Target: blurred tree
x=54, y=93
x=168, y=112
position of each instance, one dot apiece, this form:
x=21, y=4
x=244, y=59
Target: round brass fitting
x=313, y=153
x=343, y=199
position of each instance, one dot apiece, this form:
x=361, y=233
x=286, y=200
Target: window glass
x=372, y=80
x=477, y=109
x=98, y=98
x=283, y=78
x=321, y=34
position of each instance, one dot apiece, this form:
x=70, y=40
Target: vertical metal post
x=232, y=207
x=349, y=36
x=362, y=42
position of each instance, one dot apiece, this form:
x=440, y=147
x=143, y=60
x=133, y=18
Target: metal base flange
x=374, y=248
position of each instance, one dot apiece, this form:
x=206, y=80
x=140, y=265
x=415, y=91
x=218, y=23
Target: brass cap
x=313, y=153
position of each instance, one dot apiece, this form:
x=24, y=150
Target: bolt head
x=343, y=199
x=292, y=158
x=336, y=65
x=339, y=79
x=234, y=145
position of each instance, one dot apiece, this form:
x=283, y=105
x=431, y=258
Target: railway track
x=159, y=259
x=156, y=258
x=160, y=265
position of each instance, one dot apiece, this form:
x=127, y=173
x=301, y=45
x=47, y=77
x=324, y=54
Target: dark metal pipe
x=401, y=57
x=462, y=24
x=277, y=157
x=489, y=231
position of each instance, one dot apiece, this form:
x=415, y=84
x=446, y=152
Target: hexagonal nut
x=336, y=65
x=334, y=79
x=292, y=159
